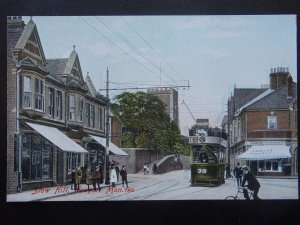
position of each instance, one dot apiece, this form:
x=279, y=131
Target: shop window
x=36, y=158
x=275, y=166
x=72, y=161
x=261, y=165
x=268, y=165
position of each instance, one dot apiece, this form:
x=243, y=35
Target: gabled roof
x=30, y=31
x=244, y=95
x=270, y=99
x=92, y=90
x=73, y=62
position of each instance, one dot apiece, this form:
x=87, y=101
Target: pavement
x=135, y=180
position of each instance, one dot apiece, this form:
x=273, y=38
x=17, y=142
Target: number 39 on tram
x=207, y=159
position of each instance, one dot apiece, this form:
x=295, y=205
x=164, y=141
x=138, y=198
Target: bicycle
x=240, y=190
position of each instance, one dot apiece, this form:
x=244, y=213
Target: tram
x=207, y=157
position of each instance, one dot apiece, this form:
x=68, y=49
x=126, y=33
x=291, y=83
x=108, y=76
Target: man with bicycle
x=252, y=184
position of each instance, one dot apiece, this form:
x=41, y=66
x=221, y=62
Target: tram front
x=207, y=160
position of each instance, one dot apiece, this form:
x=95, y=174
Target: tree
x=147, y=124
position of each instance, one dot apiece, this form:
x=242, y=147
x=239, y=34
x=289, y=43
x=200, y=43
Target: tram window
x=203, y=157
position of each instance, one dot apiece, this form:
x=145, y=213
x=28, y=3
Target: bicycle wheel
x=232, y=198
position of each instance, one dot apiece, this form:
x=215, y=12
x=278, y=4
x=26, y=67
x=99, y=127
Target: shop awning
x=112, y=147
x=58, y=138
x=265, y=152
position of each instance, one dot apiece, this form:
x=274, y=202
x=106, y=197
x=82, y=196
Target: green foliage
x=147, y=124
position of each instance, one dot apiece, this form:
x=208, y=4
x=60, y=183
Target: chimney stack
x=279, y=77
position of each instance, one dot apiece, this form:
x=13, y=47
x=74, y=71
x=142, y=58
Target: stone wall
x=136, y=158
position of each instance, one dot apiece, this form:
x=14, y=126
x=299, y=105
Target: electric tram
x=207, y=157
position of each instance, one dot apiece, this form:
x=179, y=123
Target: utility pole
x=106, y=161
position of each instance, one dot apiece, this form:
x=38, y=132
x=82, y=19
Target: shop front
x=268, y=160
x=46, y=156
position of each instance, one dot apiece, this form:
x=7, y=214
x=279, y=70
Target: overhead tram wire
x=124, y=39
x=117, y=46
x=147, y=43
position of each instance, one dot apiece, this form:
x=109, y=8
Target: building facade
x=55, y=117
x=262, y=126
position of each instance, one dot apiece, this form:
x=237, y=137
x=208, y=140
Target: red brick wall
x=259, y=120
x=12, y=181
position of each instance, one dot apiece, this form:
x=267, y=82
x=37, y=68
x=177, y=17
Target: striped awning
x=112, y=147
x=58, y=138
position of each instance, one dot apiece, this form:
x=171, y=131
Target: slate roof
x=271, y=99
x=244, y=95
x=56, y=67
x=276, y=100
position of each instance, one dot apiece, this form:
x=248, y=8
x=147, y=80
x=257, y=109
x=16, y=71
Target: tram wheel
x=232, y=198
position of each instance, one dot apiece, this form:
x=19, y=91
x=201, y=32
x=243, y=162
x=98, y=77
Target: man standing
x=238, y=173
x=252, y=184
x=123, y=174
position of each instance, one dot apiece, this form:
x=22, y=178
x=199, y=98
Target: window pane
x=275, y=166
x=268, y=165
x=26, y=156
x=27, y=84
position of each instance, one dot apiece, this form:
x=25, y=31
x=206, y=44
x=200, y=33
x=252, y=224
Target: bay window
x=51, y=102
x=27, y=92
x=58, y=104
x=39, y=94
x=72, y=107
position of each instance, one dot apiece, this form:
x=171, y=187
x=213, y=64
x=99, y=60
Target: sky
x=211, y=54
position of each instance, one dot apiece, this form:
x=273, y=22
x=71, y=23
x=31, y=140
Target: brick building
x=262, y=125
x=55, y=117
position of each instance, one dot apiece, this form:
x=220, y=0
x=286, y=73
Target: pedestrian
x=154, y=168
x=238, y=173
x=228, y=173
x=117, y=170
x=145, y=168
x=113, y=177
x=252, y=184
x=73, y=182
x=78, y=175
x=88, y=177
x=97, y=178
x=123, y=174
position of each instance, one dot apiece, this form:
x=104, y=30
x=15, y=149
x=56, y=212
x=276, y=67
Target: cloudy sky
x=210, y=53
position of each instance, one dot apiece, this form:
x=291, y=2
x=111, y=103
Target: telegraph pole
x=106, y=166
